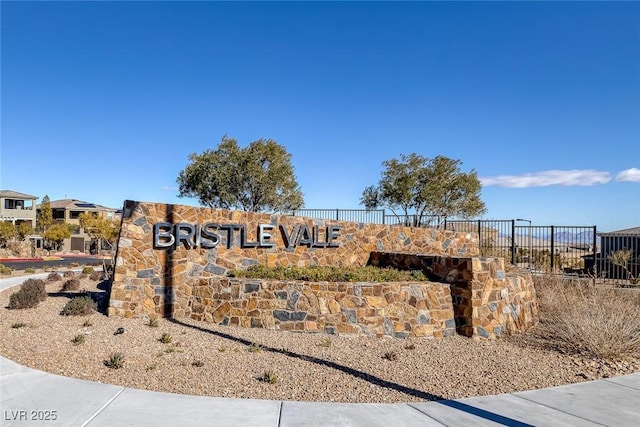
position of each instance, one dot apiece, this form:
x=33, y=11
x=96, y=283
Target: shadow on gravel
x=347, y=370
x=496, y=418
x=101, y=296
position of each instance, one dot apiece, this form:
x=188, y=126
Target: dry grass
x=581, y=318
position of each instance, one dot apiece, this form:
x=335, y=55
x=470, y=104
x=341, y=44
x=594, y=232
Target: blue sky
x=104, y=101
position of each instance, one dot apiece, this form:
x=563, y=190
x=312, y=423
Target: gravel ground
x=209, y=360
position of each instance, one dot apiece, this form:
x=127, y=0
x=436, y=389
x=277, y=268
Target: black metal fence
x=574, y=251
x=549, y=248
x=374, y=216
x=618, y=258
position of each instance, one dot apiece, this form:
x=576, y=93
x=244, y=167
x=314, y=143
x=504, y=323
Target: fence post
x=513, y=241
x=479, y=235
x=595, y=251
x=553, y=248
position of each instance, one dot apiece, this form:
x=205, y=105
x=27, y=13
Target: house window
x=13, y=204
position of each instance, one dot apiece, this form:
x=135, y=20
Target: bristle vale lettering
x=167, y=235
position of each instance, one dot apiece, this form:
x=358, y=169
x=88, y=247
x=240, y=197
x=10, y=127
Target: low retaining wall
x=400, y=310
x=487, y=301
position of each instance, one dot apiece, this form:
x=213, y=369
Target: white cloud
x=632, y=175
x=581, y=177
x=168, y=188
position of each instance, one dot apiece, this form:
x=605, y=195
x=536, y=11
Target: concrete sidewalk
x=28, y=396
x=32, y=397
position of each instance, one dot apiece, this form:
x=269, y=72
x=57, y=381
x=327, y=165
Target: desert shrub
x=330, y=274
x=578, y=317
x=78, y=339
x=115, y=361
x=29, y=270
x=4, y=270
x=74, y=264
x=68, y=273
x=325, y=342
x=153, y=322
x=87, y=270
x=391, y=355
x=254, y=348
x=71, y=285
x=54, y=277
x=96, y=275
x=79, y=306
x=269, y=377
x=18, y=325
x=165, y=338
x=29, y=295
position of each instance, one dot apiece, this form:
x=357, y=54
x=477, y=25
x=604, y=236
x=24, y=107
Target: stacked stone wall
x=467, y=293
x=487, y=301
x=406, y=309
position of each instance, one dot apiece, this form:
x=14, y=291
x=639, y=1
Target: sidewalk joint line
x=280, y=412
x=607, y=380
x=410, y=405
x=558, y=410
x=103, y=407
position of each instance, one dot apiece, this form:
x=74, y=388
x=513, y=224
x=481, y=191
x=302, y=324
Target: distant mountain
x=541, y=237
x=570, y=237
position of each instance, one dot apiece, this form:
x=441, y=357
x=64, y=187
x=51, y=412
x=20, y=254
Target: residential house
x=17, y=207
x=628, y=239
x=69, y=211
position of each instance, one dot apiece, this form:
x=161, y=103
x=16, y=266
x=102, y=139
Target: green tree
x=56, y=234
x=98, y=228
x=24, y=229
x=256, y=178
x=45, y=215
x=7, y=232
x=431, y=189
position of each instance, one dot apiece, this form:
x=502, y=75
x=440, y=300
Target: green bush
x=165, y=338
x=30, y=294
x=5, y=271
x=79, y=306
x=330, y=274
x=71, y=285
x=29, y=270
x=87, y=270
